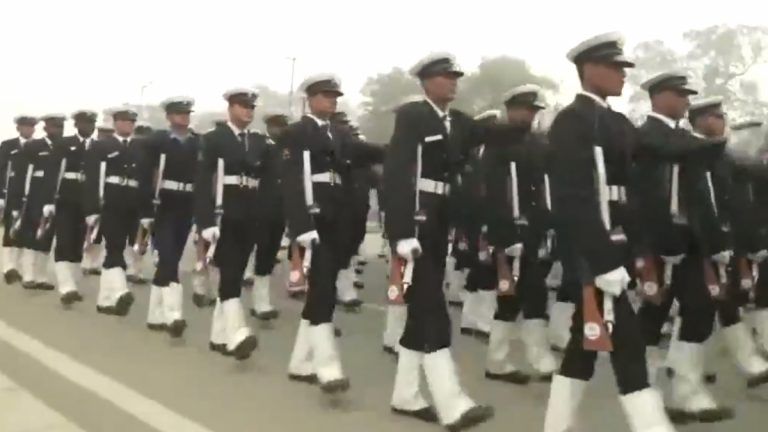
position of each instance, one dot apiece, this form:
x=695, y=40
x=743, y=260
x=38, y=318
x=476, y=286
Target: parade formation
x=636, y=229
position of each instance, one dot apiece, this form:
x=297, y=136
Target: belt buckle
x=123, y=181
x=331, y=177
x=242, y=181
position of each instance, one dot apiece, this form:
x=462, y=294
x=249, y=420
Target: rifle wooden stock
x=507, y=283
x=596, y=337
x=91, y=231
x=395, y=291
x=746, y=277
x=297, y=279
x=716, y=290
x=201, y=251
x=651, y=285
x=142, y=240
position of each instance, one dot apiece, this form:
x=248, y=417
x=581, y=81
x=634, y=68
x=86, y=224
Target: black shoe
x=247, y=282
x=106, y=310
x=199, y=300
x=219, y=348
x=482, y=335
x=265, y=316
x=757, y=380
x=136, y=280
x=29, y=285
x=670, y=372
x=514, y=377
x=306, y=379
x=426, y=414
x=710, y=378
x=466, y=331
x=176, y=328
x=67, y=299
x=124, y=303
x=389, y=350
x=682, y=417
x=45, y=286
x=362, y=262
x=297, y=295
x=472, y=417
x=352, y=306
x=12, y=276
x=359, y=285
x=456, y=304
x=544, y=378
x=336, y=386
x=337, y=332
x=157, y=327
x=244, y=349
x=358, y=271
x=92, y=272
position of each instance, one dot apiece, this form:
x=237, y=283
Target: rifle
x=716, y=281
x=218, y=210
x=507, y=275
x=92, y=231
x=141, y=244
x=47, y=221
x=400, y=279
x=16, y=217
x=297, y=278
x=597, y=327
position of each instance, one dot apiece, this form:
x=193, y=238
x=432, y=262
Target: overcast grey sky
x=57, y=61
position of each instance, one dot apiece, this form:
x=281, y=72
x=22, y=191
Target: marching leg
x=537, y=350
x=499, y=366
x=300, y=366
x=326, y=360
x=155, y=315
x=406, y=396
x=260, y=295
x=42, y=282
x=394, y=325
x=744, y=351
x=644, y=410
x=565, y=395
x=218, y=339
x=28, y=258
x=10, y=257
x=65, y=277
x=240, y=339
x=345, y=289
x=172, y=300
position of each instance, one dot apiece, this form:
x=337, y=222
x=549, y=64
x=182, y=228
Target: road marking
x=147, y=410
x=24, y=412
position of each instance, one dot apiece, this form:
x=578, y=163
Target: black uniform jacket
x=338, y=153
x=247, y=162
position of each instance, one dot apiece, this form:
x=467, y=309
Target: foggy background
x=86, y=54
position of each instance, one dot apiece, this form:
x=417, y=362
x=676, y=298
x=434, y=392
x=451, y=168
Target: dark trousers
x=761, y=287
x=118, y=226
x=171, y=232
x=238, y=236
x=482, y=276
x=531, y=293
x=268, y=239
x=70, y=232
x=697, y=308
x=627, y=358
x=428, y=325
x=27, y=234
x=327, y=259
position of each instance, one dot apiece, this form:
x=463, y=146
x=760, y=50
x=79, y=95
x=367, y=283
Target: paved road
x=111, y=374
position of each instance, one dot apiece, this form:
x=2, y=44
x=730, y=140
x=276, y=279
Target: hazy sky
x=64, y=55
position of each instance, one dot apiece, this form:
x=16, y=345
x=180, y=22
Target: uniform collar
x=598, y=100
x=667, y=121
x=48, y=141
x=699, y=135
x=320, y=122
x=440, y=113
x=121, y=139
x=23, y=140
x=83, y=139
x=236, y=130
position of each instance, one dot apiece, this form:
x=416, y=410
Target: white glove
x=516, y=250
x=146, y=222
x=92, y=219
x=613, y=282
x=308, y=238
x=211, y=234
x=758, y=256
x=49, y=210
x=673, y=259
x=723, y=257
x=409, y=248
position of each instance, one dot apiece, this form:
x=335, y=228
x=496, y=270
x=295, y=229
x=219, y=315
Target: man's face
x=124, y=127
x=323, y=104
x=606, y=78
x=673, y=103
x=713, y=124
x=241, y=113
x=85, y=128
x=275, y=130
x=54, y=129
x=521, y=115
x=179, y=120
x=25, y=130
x=441, y=87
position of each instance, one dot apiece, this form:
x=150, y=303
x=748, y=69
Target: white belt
x=617, y=193
x=433, y=186
x=73, y=176
x=177, y=186
x=242, y=181
x=38, y=174
x=327, y=177
x=122, y=181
